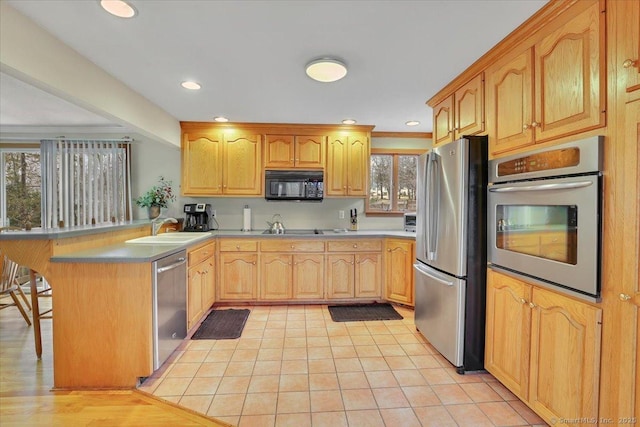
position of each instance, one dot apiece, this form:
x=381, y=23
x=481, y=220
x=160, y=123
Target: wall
x=149, y=161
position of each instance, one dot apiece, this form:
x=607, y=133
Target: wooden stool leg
x=24, y=297
x=35, y=310
x=19, y=305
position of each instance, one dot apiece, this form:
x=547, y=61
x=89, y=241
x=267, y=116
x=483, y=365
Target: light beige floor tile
x=409, y=377
x=318, y=342
x=319, y=353
x=467, y=378
x=270, y=354
x=294, y=353
x=252, y=333
x=194, y=356
x=233, y=385
x=233, y=420
x=501, y=414
x=248, y=355
x=212, y=369
x=400, y=329
x=202, y=386
x=329, y=419
x=325, y=401
x=379, y=379
x=481, y=392
x=225, y=345
x=502, y=391
x=391, y=350
x=274, y=333
x=172, y=399
x=421, y=395
x=321, y=366
x=358, y=330
x=350, y=364
x=357, y=399
x=469, y=415
x=276, y=324
x=172, y=387
x=368, y=351
x=525, y=412
x=239, y=368
x=295, y=342
x=451, y=394
x=317, y=332
x=399, y=362
x=404, y=417
x=226, y=405
x=425, y=361
x=436, y=376
x=267, y=367
x=323, y=381
x=219, y=355
x=260, y=404
x=434, y=416
x=353, y=380
x=385, y=340
x=362, y=340
x=295, y=367
x=294, y=333
x=378, y=329
x=344, y=351
x=264, y=383
x=293, y=420
x=390, y=398
x=293, y=382
x=341, y=340
x=257, y=420
x=196, y=403
x=374, y=364
x=365, y=418
x=293, y=402
x=249, y=343
x=201, y=344
x=255, y=324
x=183, y=370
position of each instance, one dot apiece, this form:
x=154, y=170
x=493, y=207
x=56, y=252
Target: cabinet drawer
x=239, y=245
x=354, y=245
x=286, y=245
x=196, y=256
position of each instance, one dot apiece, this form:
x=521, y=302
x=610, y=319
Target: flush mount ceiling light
x=190, y=85
x=326, y=70
x=119, y=8
x=220, y=119
x=412, y=123
x=348, y=122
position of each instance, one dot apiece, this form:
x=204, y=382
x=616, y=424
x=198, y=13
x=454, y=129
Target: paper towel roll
x=246, y=219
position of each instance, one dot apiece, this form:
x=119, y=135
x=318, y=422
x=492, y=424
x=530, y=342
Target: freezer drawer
x=439, y=311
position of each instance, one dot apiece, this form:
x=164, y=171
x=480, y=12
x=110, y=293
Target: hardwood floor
x=26, y=397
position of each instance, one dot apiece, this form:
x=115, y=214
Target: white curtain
x=85, y=182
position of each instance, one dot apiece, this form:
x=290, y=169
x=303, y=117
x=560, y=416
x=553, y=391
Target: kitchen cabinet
x=201, y=282
x=347, y=164
x=461, y=113
x=628, y=47
x=554, y=87
x=355, y=272
x=294, y=151
x=221, y=163
x=238, y=270
x=399, y=256
x=291, y=269
x=544, y=347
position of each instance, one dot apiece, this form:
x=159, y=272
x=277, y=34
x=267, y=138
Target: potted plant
x=157, y=197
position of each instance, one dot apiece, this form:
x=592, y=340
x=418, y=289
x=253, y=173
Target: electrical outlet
x=341, y=214
x=213, y=213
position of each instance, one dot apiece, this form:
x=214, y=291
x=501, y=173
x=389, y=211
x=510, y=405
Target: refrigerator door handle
x=427, y=208
x=434, y=206
x=440, y=278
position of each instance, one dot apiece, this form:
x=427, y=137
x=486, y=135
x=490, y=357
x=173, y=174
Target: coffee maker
x=198, y=217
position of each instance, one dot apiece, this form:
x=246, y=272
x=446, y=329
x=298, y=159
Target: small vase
x=154, y=212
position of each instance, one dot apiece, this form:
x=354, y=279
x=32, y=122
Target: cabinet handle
x=238, y=247
x=292, y=247
x=625, y=297
x=355, y=245
x=629, y=63
x=297, y=160
x=525, y=126
x=351, y=262
x=535, y=124
x=532, y=305
x=523, y=301
x=388, y=250
x=254, y=263
x=291, y=160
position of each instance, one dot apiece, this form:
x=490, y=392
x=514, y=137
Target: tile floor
x=294, y=366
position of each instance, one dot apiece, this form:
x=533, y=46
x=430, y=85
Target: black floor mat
x=362, y=312
x=222, y=325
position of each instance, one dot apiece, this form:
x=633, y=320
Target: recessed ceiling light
x=326, y=70
x=190, y=85
x=220, y=119
x=119, y=8
x=412, y=123
x=349, y=122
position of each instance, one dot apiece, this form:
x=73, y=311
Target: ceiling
x=249, y=57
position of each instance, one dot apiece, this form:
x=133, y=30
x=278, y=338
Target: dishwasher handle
x=176, y=264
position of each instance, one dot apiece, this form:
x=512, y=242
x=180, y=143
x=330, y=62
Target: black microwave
x=294, y=185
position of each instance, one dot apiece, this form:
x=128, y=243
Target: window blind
x=85, y=182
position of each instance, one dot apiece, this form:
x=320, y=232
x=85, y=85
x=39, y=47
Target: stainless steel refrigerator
x=451, y=253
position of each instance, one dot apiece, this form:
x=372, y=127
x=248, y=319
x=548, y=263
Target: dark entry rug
x=362, y=312
x=222, y=325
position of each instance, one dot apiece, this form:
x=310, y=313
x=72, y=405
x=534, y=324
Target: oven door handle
x=542, y=187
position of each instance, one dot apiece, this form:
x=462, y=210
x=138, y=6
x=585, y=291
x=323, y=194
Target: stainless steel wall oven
x=545, y=214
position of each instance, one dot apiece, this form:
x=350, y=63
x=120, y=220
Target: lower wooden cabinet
x=354, y=276
x=399, y=255
x=238, y=276
x=201, y=283
x=544, y=347
x=288, y=276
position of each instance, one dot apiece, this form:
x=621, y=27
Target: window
x=392, y=181
x=20, y=178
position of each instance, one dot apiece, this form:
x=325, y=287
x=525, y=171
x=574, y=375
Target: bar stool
x=9, y=286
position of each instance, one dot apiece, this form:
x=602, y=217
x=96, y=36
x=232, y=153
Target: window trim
x=395, y=152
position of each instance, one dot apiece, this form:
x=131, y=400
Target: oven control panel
x=554, y=159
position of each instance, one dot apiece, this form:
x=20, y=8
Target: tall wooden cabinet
x=544, y=347
x=399, y=255
x=294, y=151
x=461, y=113
x=347, y=164
x=553, y=88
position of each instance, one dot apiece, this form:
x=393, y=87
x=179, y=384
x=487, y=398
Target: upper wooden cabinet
x=294, y=151
x=221, y=163
x=347, y=164
x=628, y=47
x=461, y=113
x=554, y=87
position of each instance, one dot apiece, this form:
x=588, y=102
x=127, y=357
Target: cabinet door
x=208, y=284
x=279, y=151
x=194, y=296
x=469, y=108
x=565, y=357
x=335, y=180
x=340, y=276
x=509, y=91
x=508, y=332
x=238, y=276
x=570, y=77
x=399, y=271
x=368, y=275
x=627, y=44
x=242, y=165
x=357, y=164
x=202, y=164
x=309, y=151
x=443, y=121
x=308, y=276
x=276, y=277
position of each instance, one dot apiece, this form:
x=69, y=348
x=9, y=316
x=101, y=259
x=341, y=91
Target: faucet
x=157, y=223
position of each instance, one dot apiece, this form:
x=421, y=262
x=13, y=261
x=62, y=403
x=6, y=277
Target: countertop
x=137, y=253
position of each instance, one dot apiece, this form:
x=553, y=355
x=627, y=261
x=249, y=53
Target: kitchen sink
x=297, y=232
x=169, y=238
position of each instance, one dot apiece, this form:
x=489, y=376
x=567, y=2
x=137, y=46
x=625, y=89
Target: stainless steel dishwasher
x=169, y=305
